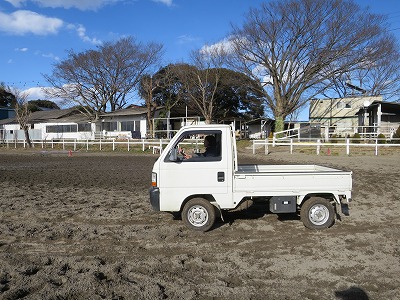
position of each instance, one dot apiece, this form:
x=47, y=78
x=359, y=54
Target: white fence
x=154, y=145
x=374, y=144
x=74, y=144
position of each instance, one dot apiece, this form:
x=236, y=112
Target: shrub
x=381, y=138
x=334, y=138
x=396, y=135
x=356, y=138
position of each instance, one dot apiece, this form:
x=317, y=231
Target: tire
x=317, y=213
x=199, y=214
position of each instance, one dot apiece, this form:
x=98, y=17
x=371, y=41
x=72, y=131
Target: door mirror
x=173, y=154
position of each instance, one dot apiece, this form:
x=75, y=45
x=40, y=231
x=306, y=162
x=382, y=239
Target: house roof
x=130, y=111
x=387, y=107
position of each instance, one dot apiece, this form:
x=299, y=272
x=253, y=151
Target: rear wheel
x=198, y=214
x=317, y=213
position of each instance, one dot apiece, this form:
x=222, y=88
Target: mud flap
x=345, y=209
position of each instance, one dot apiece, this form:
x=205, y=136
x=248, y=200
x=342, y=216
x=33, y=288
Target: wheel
x=317, y=213
x=198, y=214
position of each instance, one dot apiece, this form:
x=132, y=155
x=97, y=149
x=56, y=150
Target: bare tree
x=22, y=111
x=201, y=81
x=146, y=89
x=296, y=47
x=102, y=79
x=161, y=89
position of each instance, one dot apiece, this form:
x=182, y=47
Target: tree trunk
x=27, y=138
x=279, y=123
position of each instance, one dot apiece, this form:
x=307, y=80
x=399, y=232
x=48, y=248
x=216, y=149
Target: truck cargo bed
x=247, y=168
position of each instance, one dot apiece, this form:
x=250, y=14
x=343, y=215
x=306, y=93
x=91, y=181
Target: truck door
x=195, y=165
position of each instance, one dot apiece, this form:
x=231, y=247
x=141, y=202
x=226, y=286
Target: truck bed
x=288, y=180
x=284, y=169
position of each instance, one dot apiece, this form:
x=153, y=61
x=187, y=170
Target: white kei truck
x=200, y=186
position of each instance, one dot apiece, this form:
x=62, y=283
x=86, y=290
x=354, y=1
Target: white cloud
x=79, y=4
x=185, y=39
x=166, y=2
x=226, y=45
x=16, y=3
x=47, y=55
x=21, y=49
x=35, y=93
x=22, y=22
x=81, y=31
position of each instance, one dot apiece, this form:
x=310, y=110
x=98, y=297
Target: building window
x=128, y=126
x=340, y=105
x=84, y=127
x=109, y=126
x=137, y=126
x=61, y=128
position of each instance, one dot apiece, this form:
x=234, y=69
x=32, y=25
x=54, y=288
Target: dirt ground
x=82, y=227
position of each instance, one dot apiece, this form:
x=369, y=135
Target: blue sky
x=35, y=34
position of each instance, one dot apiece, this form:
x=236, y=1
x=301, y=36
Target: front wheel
x=199, y=214
x=317, y=213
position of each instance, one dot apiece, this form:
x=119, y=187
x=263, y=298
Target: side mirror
x=173, y=154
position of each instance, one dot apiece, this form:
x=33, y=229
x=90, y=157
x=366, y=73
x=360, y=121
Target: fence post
x=291, y=146
x=52, y=143
x=254, y=148
x=298, y=135
x=87, y=145
x=143, y=145
x=128, y=144
x=376, y=147
x=100, y=144
x=74, y=144
x=63, y=144
x=273, y=140
x=318, y=146
x=266, y=146
x=347, y=146
x=113, y=142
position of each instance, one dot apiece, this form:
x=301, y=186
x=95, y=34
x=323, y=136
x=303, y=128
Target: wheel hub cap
x=197, y=215
x=319, y=214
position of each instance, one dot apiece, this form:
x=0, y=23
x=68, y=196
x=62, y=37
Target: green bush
x=381, y=138
x=397, y=136
x=356, y=138
x=334, y=138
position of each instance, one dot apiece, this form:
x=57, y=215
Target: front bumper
x=155, y=198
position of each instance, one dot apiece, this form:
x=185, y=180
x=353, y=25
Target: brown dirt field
x=82, y=227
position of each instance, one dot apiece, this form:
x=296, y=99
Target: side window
x=197, y=146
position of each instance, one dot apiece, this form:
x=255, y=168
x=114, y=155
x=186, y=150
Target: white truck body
x=225, y=184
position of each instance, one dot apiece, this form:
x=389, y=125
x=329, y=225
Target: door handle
x=221, y=176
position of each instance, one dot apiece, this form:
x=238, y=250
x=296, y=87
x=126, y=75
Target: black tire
x=317, y=213
x=199, y=214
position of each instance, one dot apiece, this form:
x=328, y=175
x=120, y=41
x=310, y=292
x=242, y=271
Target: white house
x=71, y=124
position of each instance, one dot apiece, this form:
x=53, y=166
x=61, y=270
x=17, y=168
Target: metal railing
x=347, y=144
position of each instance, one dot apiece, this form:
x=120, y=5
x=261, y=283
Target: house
x=72, y=124
x=379, y=117
x=339, y=116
